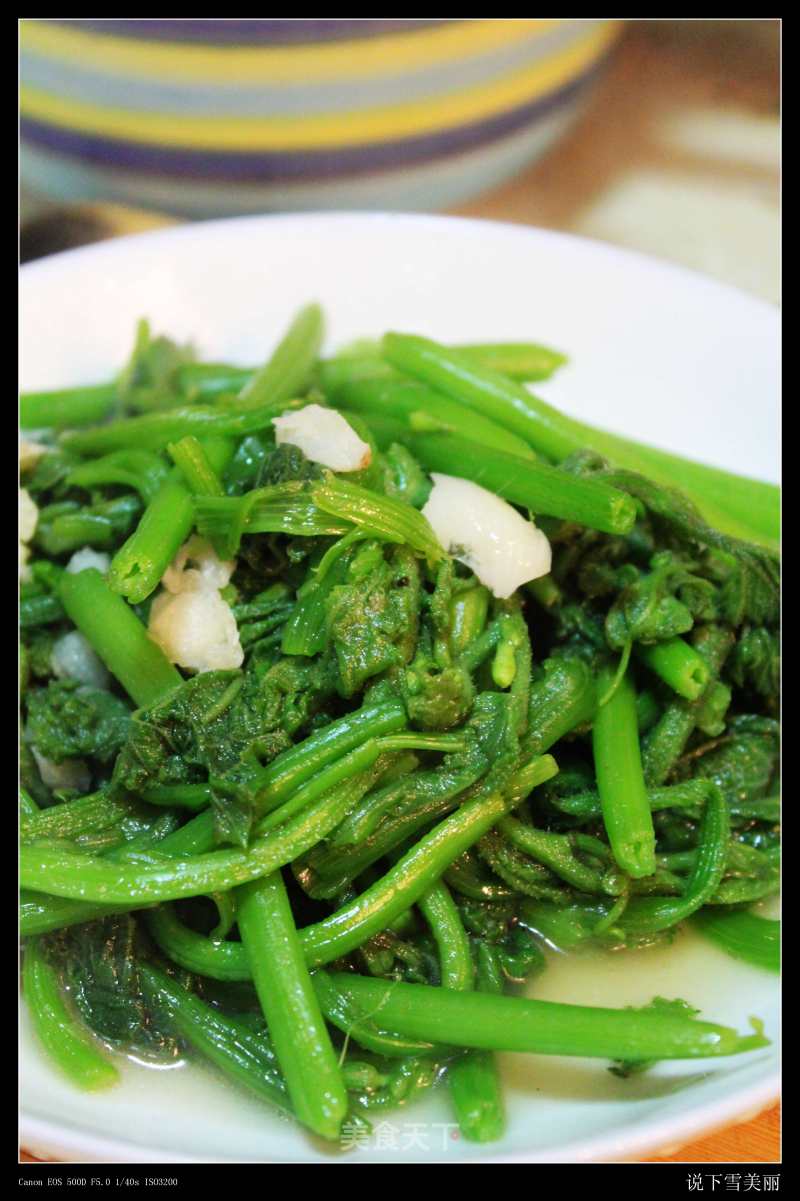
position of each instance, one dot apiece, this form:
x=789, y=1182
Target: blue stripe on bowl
x=109, y=90
x=302, y=164
x=289, y=32
x=440, y=183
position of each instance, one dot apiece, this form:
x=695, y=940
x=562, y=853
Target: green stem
x=519, y=360
x=586, y=806
x=305, y=632
x=331, y=507
x=410, y=406
x=499, y=1023
x=166, y=523
x=480, y=648
x=287, y=371
x=296, y=1025
x=66, y=407
x=474, y=1078
x=218, y=959
x=154, y=431
x=374, y=909
x=678, y=664
x=468, y=612
x=293, y=768
x=41, y=610
x=66, y=1041
x=350, y=765
x=487, y=392
x=543, y=489
x=82, y=877
x=384, y=516
x=666, y=740
x=64, y=528
x=562, y=700
x=546, y=592
x=28, y=808
x=199, y=382
x=647, y=915
x=142, y=470
x=556, y=852
x=83, y=815
x=199, y=475
x=363, y=1029
x=228, y=1043
x=118, y=637
x=40, y=913
x=455, y=960
x=620, y=780
x=416, y=872
x=734, y=504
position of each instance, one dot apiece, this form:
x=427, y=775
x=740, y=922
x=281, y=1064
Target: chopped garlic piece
x=486, y=534
x=196, y=629
x=72, y=773
x=210, y=572
x=189, y=620
x=86, y=557
x=28, y=516
x=30, y=452
x=73, y=658
x=324, y=437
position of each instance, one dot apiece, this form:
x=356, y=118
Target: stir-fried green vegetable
x=308, y=786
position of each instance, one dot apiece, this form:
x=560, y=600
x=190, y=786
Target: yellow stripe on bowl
x=323, y=129
x=362, y=58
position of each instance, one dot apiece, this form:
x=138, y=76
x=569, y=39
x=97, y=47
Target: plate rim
x=182, y=229
x=49, y=1137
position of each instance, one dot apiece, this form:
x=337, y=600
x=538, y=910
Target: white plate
x=656, y=352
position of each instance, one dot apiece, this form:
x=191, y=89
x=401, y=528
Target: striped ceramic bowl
x=218, y=117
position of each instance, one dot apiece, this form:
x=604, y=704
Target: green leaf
x=218, y=726
x=100, y=963
x=284, y=463
x=403, y=478
x=755, y=662
x=372, y=619
x=742, y=762
x=648, y=610
x=150, y=379
x=67, y=720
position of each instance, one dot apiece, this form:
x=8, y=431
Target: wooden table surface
x=723, y=77
x=676, y=154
